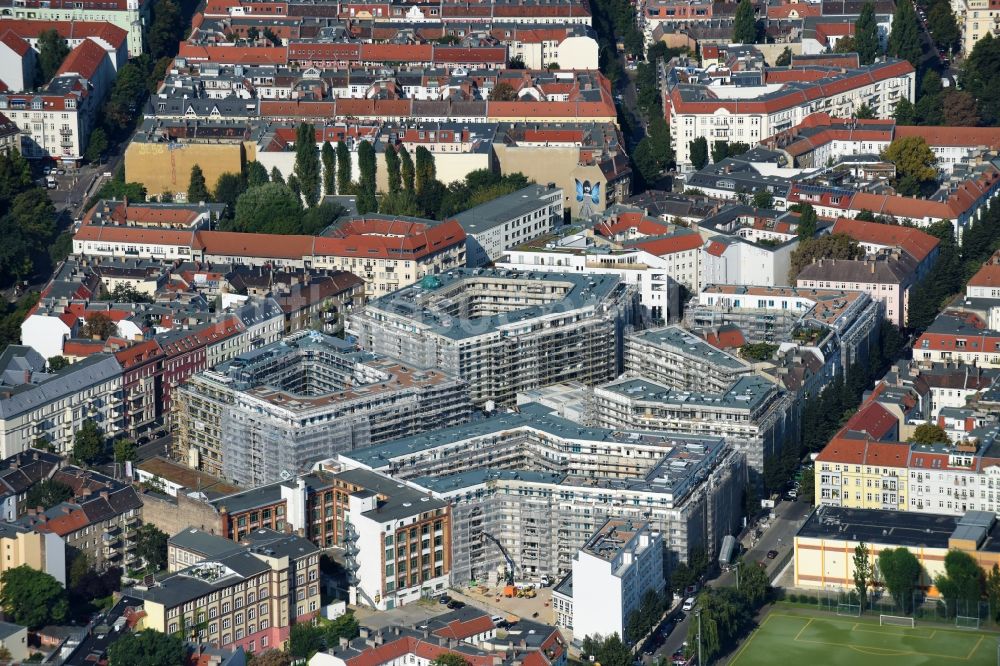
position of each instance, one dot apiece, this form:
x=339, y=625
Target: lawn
x=792, y=636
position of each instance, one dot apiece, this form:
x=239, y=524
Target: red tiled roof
x=874, y=420
x=914, y=242
x=953, y=136
x=679, y=242
x=70, y=30
x=84, y=60
x=987, y=276
x=15, y=43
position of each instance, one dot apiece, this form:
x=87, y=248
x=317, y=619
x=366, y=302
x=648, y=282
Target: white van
x=688, y=605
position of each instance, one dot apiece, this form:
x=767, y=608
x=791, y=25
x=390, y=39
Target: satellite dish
x=285, y=475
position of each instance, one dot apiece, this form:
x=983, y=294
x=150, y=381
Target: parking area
x=410, y=615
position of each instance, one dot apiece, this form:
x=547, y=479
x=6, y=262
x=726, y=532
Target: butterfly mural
x=588, y=195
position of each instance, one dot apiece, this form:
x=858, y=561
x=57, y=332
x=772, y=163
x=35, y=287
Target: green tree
x=307, y=163
x=866, y=39
x=959, y=109
x=503, y=92
x=88, y=443
x=807, y=220
x=272, y=657
x=47, y=493
x=720, y=151
x=52, y=50
x=98, y=326
x=272, y=208
x=745, y=24
x=784, y=58
x=980, y=77
x=992, y=586
x=151, y=546
x=864, y=112
x=406, y=169
x=807, y=491
x=343, y=168
x=78, y=569
x=165, y=30
x=942, y=24
x=425, y=170
x=755, y=585
x=863, y=573
x=395, y=178
x=403, y=202
x=915, y=163
x=905, y=113
x=96, y=145
x=763, y=199
x=276, y=176
x=329, y=159
x=830, y=246
x=609, y=651
x=305, y=640
x=124, y=450
x=256, y=174
x=449, y=659
x=147, y=647
x=366, y=202
x=900, y=572
x=699, y=149
x=228, y=189
x=32, y=598
x=929, y=433
x=758, y=351
x=57, y=363
x=904, y=38
x=961, y=584
x=197, y=189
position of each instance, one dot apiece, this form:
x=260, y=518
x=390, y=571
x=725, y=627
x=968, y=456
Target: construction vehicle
x=509, y=589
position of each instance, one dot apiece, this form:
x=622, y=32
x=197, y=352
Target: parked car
x=444, y=599
x=771, y=554
x=455, y=604
x=688, y=604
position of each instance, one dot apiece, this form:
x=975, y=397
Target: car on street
x=455, y=604
x=444, y=599
x=678, y=657
x=688, y=604
x=771, y=554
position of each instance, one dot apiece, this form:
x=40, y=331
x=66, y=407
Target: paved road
x=157, y=447
x=789, y=516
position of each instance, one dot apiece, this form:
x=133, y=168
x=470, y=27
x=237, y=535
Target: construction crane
x=509, y=590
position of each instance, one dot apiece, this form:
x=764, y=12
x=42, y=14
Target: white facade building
x=494, y=227
x=613, y=571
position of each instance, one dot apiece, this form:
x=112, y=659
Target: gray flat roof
x=683, y=341
x=203, y=543
x=415, y=301
x=502, y=209
x=747, y=392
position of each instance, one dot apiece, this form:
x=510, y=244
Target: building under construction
x=272, y=412
x=504, y=331
x=541, y=485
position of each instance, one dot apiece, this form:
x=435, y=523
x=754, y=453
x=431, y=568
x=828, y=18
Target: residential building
x=18, y=61
x=36, y=405
x=751, y=106
x=133, y=16
x=276, y=410
x=754, y=415
x=614, y=569
x=389, y=253
x=681, y=360
x=10, y=135
x=42, y=551
x=14, y=639
x=583, y=252
x=961, y=337
x=494, y=227
x=467, y=633
x=980, y=19
x=249, y=597
x=527, y=477
x=678, y=246
x=18, y=474
x=466, y=323
x=102, y=525
x=192, y=546
x=56, y=123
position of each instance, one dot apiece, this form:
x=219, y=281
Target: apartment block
x=754, y=414
x=248, y=597
x=542, y=485
x=614, y=568
x=132, y=16
x=503, y=331
x=681, y=360
x=37, y=405
x=494, y=227
x=42, y=551
x=272, y=412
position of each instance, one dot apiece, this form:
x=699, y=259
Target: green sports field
x=791, y=636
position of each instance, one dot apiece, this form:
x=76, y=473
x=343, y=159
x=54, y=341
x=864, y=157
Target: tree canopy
x=197, y=189
x=900, y=572
x=47, y=493
x=866, y=39
x=147, y=647
x=32, y=598
x=88, y=443
x=151, y=546
x=699, y=152
x=745, y=24
x=830, y=246
x=307, y=163
x=915, y=164
x=904, y=38
x=52, y=50
x=929, y=433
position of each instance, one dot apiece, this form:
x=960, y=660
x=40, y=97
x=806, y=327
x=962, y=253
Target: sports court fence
x=970, y=614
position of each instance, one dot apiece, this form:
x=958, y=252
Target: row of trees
x=727, y=613
x=27, y=221
x=646, y=616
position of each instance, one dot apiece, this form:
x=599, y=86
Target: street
x=789, y=516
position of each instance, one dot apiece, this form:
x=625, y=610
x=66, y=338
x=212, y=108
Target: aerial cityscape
x=500, y=332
